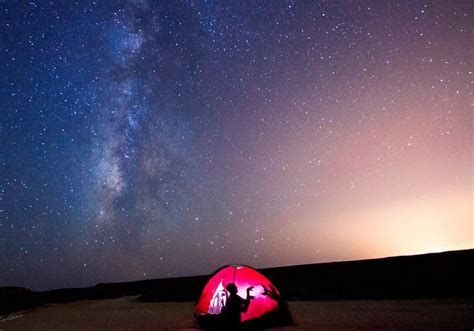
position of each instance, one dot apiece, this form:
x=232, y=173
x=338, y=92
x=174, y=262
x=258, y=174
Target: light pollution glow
x=155, y=139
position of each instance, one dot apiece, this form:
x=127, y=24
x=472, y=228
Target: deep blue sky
x=143, y=140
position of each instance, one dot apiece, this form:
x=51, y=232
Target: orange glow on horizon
x=416, y=225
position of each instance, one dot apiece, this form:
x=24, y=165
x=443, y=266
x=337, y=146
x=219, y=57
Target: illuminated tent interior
x=265, y=309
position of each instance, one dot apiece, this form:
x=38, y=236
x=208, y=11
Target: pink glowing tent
x=266, y=303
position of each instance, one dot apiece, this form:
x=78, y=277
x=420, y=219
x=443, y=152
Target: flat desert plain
x=129, y=314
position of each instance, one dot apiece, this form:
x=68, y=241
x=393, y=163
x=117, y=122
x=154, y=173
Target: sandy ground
x=129, y=314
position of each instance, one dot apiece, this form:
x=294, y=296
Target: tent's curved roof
x=243, y=276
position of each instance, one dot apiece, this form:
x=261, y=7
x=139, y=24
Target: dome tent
x=265, y=309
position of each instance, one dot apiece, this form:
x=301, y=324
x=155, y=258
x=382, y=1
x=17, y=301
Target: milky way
x=143, y=140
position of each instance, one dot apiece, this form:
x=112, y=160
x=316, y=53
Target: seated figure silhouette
x=234, y=306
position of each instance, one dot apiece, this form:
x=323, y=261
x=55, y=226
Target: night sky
x=143, y=140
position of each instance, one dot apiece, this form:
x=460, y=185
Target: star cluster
x=144, y=139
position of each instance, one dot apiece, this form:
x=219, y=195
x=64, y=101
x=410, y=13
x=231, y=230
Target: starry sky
x=148, y=139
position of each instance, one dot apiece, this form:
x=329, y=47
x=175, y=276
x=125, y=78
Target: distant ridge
x=433, y=275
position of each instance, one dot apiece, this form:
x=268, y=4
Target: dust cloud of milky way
x=143, y=140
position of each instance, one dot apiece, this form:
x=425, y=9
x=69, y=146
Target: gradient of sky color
x=143, y=140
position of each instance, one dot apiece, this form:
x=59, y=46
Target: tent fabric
x=266, y=298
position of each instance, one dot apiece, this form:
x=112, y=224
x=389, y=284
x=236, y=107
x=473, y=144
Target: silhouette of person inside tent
x=272, y=292
x=235, y=305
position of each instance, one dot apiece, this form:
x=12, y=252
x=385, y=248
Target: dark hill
x=436, y=275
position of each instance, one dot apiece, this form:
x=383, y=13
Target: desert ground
x=128, y=313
